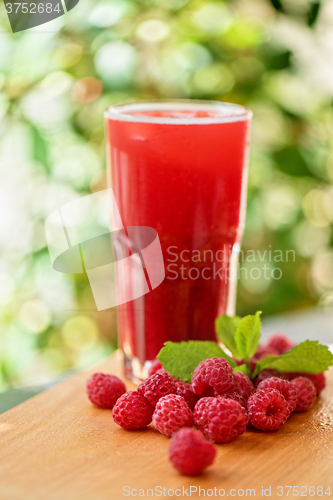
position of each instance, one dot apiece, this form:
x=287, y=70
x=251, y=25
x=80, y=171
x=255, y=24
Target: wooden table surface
x=58, y=446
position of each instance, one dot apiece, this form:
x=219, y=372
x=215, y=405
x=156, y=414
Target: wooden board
x=58, y=446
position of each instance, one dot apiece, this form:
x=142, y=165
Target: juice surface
x=188, y=182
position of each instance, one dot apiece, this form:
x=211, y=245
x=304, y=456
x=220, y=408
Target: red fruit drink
x=180, y=167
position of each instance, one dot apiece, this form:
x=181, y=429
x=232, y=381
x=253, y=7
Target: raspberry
x=285, y=387
x=104, y=390
x=267, y=409
x=220, y=420
x=215, y=373
x=162, y=370
x=236, y=397
x=267, y=373
x=281, y=343
x=171, y=414
x=190, y=453
x=184, y=389
x=154, y=367
x=158, y=385
x=243, y=385
x=132, y=411
x=306, y=393
x=318, y=380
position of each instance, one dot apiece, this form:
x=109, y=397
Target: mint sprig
x=241, y=337
x=225, y=327
x=247, y=336
x=308, y=357
x=181, y=358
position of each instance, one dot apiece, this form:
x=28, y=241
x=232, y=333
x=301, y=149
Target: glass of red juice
x=179, y=167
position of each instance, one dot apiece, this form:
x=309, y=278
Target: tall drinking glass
x=180, y=168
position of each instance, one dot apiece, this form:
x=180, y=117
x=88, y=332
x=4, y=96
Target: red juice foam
x=180, y=168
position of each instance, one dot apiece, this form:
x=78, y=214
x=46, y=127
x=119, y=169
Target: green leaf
x=225, y=327
x=242, y=368
x=181, y=358
x=247, y=335
x=40, y=148
x=306, y=357
x=277, y=5
x=313, y=12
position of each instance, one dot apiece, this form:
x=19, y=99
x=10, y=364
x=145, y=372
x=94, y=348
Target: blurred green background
x=55, y=82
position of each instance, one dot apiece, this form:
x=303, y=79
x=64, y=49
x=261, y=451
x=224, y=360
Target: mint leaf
x=247, y=335
x=242, y=368
x=307, y=357
x=225, y=327
x=181, y=358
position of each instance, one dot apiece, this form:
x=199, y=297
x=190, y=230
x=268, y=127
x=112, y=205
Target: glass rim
x=230, y=112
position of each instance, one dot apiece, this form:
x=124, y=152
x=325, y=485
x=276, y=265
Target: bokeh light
x=80, y=333
x=152, y=30
x=34, y=316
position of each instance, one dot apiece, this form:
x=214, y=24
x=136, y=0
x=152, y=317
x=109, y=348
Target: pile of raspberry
x=219, y=402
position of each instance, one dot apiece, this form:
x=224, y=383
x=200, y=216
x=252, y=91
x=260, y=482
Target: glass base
x=134, y=370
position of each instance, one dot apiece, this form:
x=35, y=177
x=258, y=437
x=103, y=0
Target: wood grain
x=58, y=446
